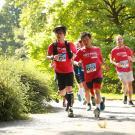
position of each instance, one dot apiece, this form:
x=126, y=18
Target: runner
x=83, y=93
x=61, y=51
x=91, y=59
x=121, y=57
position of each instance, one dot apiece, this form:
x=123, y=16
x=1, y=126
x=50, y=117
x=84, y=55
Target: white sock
x=98, y=106
x=81, y=92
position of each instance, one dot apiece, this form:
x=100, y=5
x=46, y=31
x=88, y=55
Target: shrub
x=38, y=87
x=13, y=96
x=23, y=89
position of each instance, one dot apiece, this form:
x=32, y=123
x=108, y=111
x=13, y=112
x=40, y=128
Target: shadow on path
x=91, y=133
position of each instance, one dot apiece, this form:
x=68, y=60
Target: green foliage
x=32, y=23
x=38, y=90
x=13, y=97
x=23, y=89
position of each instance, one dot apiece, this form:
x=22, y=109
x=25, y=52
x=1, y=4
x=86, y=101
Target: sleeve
x=50, y=50
x=129, y=51
x=78, y=56
x=73, y=48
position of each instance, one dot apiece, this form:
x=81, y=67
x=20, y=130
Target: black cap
x=60, y=28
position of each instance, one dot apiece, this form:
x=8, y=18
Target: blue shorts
x=79, y=74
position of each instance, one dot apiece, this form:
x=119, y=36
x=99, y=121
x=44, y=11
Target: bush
x=13, y=96
x=111, y=83
x=38, y=90
x=23, y=89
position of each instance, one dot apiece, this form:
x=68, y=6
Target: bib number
x=124, y=64
x=91, y=67
x=62, y=57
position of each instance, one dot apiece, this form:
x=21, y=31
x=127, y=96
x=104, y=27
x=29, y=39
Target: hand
x=133, y=59
x=79, y=64
x=56, y=57
x=118, y=65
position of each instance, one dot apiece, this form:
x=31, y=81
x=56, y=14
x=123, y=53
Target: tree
x=8, y=23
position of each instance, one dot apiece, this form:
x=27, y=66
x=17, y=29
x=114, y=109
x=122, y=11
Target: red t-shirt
x=121, y=55
x=64, y=64
x=91, y=59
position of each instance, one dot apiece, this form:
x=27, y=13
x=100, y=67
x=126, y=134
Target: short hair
x=116, y=37
x=84, y=34
x=60, y=28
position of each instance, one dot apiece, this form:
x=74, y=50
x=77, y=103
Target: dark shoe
x=125, y=100
x=102, y=104
x=130, y=102
x=79, y=97
x=103, y=99
x=97, y=112
x=70, y=113
x=93, y=101
x=88, y=107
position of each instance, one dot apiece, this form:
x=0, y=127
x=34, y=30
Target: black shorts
x=95, y=83
x=79, y=74
x=64, y=79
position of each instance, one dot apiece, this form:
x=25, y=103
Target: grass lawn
x=114, y=96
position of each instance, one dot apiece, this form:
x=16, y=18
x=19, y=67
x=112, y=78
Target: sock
x=70, y=99
x=98, y=106
x=81, y=92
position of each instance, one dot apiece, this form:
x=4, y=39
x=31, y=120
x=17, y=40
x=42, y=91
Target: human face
x=119, y=40
x=60, y=35
x=86, y=41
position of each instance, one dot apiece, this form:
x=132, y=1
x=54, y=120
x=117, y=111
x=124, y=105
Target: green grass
x=111, y=96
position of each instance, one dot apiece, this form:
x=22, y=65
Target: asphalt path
x=116, y=119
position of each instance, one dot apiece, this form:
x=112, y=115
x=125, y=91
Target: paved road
x=117, y=119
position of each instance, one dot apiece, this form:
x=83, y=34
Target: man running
x=92, y=60
x=61, y=51
x=121, y=57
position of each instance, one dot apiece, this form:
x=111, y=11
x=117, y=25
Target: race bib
x=62, y=57
x=124, y=64
x=91, y=67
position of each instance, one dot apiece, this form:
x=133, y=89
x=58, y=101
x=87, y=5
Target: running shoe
x=70, y=112
x=130, y=102
x=97, y=112
x=125, y=100
x=88, y=107
x=102, y=104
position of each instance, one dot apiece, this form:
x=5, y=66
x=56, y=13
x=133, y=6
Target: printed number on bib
x=91, y=67
x=124, y=64
x=62, y=57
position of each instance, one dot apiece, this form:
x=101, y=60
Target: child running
x=91, y=59
x=83, y=93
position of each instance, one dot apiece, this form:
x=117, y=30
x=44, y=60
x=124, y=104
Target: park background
x=26, y=79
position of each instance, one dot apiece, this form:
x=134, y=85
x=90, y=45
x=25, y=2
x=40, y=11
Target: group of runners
x=85, y=61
